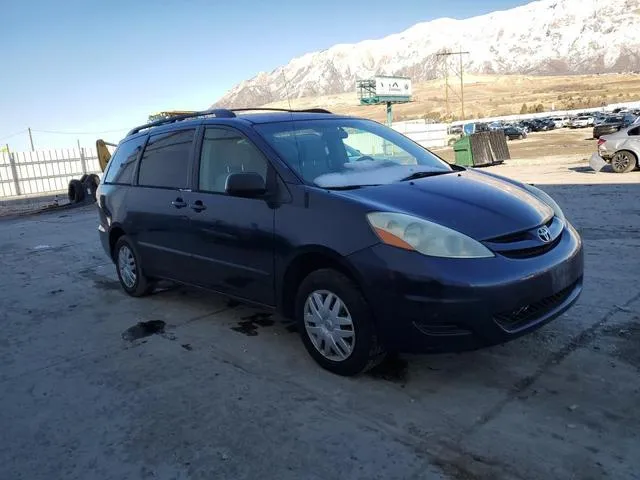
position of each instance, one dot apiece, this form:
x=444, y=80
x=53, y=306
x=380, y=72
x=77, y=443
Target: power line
x=13, y=134
x=445, y=55
x=57, y=132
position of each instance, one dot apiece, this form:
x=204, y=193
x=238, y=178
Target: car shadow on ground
x=587, y=169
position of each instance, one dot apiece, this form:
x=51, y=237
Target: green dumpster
x=462, y=149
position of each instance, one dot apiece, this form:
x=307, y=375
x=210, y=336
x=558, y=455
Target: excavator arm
x=104, y=155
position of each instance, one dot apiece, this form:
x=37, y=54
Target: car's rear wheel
x=336, y=324
x=130, y=273
x=623, y=161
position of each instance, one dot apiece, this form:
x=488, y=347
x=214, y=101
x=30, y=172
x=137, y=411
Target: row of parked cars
x=602, y=123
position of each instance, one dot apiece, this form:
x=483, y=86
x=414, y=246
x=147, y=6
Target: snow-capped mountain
x=542, y=37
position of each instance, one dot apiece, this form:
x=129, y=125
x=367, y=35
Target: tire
x=520, y=137
x=140, y=285
x=624, y=161
x=75, y=191
x=90, y=185
x=365, y=351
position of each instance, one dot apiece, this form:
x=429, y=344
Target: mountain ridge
x=545, y=37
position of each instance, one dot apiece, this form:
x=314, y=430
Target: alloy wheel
x=621, y=161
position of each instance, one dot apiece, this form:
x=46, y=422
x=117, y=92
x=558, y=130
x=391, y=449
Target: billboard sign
x=393, y=86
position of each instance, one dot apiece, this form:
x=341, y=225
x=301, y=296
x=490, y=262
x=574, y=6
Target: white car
x=582, y=122
x=560, y=122
x=621, y=149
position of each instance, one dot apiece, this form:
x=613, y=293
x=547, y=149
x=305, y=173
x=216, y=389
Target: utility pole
x=461, y=83
x=31, y=139
x=445, y=55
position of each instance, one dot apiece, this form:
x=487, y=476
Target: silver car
x=621, y=149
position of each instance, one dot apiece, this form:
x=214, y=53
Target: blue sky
x=86, y=66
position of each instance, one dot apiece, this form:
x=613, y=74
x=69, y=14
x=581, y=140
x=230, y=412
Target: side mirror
x=245, y=184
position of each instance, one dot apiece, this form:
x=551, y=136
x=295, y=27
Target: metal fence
x=44, y=171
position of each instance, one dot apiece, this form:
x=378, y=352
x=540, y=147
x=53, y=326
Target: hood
x=482, y=206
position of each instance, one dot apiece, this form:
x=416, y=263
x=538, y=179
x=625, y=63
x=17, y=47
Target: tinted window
x=634, y=131
x=123, y=163
x=165, y=161
x=225, y=152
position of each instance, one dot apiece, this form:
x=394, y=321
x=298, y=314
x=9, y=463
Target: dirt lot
x=228, y=392
x=557, y=157
x=488, y=96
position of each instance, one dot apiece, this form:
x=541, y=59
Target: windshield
x=343, y=152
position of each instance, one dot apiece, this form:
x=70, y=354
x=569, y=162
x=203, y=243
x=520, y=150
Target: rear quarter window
x=122, y=165
x=165, y=161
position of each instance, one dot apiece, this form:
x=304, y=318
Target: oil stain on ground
x=143, y=329
x=393, y=369
x=249, y=325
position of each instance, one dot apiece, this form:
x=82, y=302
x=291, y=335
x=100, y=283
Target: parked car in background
x=621, y=149
x=369, y=255
x=514, y=133
x=560, y=122
x=581, y=122
x=612, y=124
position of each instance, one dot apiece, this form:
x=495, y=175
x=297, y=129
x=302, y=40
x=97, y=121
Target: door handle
x=198, y=206
x=179, y=203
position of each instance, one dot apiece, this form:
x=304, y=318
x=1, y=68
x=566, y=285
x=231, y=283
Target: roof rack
x=306, y=110
x=218, y=112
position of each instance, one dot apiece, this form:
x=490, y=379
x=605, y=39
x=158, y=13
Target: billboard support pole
x=389, y=114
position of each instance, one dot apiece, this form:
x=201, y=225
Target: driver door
x=232, y=237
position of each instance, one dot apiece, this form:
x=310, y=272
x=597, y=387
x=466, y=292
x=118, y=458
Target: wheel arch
x=302, y=263
x=115, y=232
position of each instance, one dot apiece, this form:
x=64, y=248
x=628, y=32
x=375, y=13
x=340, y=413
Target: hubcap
x=329, y=325
x=127, y=266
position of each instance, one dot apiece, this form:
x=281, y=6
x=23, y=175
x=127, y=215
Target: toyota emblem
x=544, y=234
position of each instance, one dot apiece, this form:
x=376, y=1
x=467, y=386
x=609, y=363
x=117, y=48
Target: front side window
x=225, y=152
x=336, y=153
x=123, y=163
x=634, y=132
x=165, y=161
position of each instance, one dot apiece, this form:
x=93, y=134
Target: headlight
x=411, y=233
x=546, y=199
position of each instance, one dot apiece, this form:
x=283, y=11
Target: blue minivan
x=369, y=241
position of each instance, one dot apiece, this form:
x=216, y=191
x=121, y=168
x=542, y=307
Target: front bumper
x=424, y=304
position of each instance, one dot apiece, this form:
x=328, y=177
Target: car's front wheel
x=336, y=324
x=132, y=279
x=623, y=161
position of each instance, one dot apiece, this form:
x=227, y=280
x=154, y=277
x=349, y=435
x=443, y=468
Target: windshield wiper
x=417, y=175
x=350, y=187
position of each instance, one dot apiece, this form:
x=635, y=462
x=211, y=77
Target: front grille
x=531, y=252
x=518, y=236
x=527, y=314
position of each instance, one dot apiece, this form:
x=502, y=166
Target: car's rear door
x=232, y=237
x=158, y=208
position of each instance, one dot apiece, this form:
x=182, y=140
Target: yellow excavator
x=86, y=186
